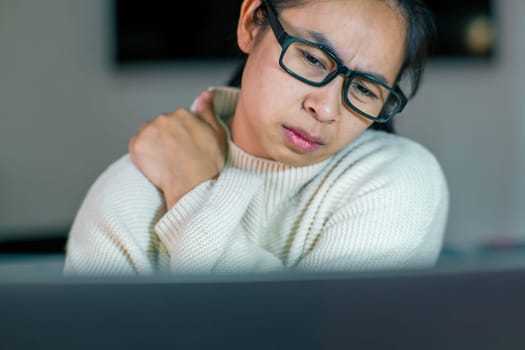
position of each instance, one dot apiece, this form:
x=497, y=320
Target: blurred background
x=74, y=88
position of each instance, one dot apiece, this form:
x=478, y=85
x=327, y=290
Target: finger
x=143, y=126
x=205, y=109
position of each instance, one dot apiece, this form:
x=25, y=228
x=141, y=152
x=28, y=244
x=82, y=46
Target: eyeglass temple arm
x=280, y=33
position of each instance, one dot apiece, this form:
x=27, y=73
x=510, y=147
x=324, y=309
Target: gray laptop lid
x=410, y=310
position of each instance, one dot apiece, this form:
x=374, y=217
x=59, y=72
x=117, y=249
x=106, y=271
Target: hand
x=179, y=150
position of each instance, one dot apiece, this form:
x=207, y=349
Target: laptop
x=425, y=309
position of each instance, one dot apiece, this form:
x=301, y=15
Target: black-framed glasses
x=316, y=65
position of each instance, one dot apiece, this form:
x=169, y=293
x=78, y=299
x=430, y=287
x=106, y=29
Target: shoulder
x=385, y=173
x=122, y=181
x=395, y=176
x=383, y=145
x=393, y=159
x=399, y=187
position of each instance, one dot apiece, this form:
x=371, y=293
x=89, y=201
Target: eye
x=313, y=60
x=361, y=89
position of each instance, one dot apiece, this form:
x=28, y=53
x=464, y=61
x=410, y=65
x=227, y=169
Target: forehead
x=367, y=35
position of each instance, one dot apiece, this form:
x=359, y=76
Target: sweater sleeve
x=395, y=219
x=204, y=233
x=113, y=230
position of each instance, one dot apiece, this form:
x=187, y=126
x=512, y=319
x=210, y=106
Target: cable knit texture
x=380, y=203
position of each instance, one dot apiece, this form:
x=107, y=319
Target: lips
x=302, y=140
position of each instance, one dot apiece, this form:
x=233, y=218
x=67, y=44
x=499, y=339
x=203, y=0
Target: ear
x=247, y=29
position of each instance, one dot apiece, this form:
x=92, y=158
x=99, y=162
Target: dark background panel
x=166, y=31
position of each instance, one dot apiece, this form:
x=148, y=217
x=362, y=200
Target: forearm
x=204, y=234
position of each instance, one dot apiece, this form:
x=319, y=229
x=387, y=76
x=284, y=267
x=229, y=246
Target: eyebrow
x=321, y=39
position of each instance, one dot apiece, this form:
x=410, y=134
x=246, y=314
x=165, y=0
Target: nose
x=324, y=103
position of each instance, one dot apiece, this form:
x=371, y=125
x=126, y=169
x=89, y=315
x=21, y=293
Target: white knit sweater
x=380, y=203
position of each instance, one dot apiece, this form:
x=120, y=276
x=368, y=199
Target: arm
x=113, y=230
x=396, y=219
x=203, y=231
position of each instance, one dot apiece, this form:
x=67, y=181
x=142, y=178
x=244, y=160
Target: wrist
x=172, y=195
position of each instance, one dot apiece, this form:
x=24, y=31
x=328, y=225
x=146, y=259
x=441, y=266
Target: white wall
x=66, y=113
x=516, y=50
x=472, y=116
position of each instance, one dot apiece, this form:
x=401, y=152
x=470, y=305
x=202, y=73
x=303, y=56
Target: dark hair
x=421, y=29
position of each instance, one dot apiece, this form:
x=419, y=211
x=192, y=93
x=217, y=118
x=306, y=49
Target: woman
x=296, y=178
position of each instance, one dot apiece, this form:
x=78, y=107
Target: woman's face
x=281, y=118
